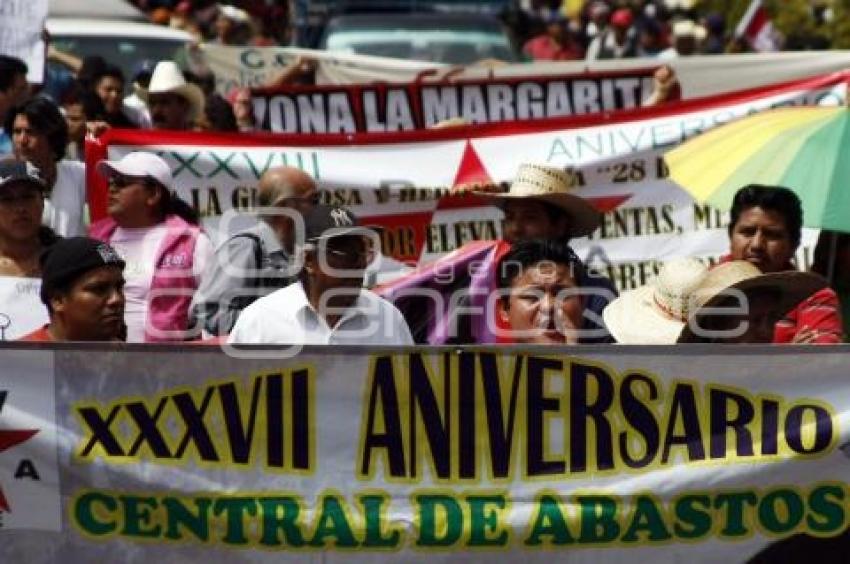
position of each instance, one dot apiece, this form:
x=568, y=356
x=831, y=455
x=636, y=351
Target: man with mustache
x=765, y=228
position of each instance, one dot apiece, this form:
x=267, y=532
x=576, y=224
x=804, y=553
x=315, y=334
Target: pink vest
x=173, y=282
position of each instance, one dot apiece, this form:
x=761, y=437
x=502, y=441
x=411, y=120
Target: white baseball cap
x=138, y=164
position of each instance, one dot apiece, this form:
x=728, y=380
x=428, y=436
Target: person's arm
x=665, y=85
x=67, y=59
x=217, y=303
x=300, y=68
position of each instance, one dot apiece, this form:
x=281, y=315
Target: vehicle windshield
x=453, y=47
x=122, y=51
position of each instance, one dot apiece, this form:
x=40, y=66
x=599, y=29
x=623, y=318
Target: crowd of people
x=149, y=273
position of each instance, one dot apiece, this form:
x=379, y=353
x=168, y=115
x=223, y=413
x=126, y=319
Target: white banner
x=699, y=76
x=400, y=180
x=21, y=310
x=21, y=28
x=183, y=454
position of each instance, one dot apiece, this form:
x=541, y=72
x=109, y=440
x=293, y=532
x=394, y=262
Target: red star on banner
x=472, y=171
x=8, y=439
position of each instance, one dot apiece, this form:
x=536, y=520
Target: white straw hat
x=168, y=78
x=791, y=286
x=553, y=186
x=655, y=314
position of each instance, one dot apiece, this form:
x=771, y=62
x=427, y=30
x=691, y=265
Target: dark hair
x=171, y=204
x=220, y=114
x=45, y=118
x=90, y=70
x=525, y=254
x=111, y=71
x=10, y=67
x=773, y=198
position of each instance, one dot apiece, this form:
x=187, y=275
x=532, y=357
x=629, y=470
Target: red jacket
x=820, y=312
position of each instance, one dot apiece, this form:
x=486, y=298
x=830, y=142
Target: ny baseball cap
x=325, y=222
x=70, y=258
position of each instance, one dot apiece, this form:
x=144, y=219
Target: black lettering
x=581, y=410
x=536, y=404
x=640, y=418
x=384, y=391
x=720, y=421
x=684, y=406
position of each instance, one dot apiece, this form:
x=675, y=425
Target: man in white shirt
x=327, y=305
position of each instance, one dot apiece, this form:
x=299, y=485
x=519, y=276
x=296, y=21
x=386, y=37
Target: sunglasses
x=120, y=182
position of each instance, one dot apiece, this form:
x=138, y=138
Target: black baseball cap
x=20, y=172
x=70, y=258
x=326, y=222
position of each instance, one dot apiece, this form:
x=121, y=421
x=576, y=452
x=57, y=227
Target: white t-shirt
x=286, y=317
x=139, y=248
x=64, y=210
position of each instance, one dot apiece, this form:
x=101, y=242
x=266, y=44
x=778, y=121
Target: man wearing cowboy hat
x=541, y=204
x=174, y=103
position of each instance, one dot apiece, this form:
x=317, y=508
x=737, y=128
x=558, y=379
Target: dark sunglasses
x=120, y=182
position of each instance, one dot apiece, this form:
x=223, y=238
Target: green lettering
x=646, y=518
x=549, y=521
x=692, y=523
x=332, y=522
x=137, y=514
x=783, y=520
x=281, y=514
x=429, y=533
x=374, y=515
x=830, y=511
x=84, y=513
x=179, y=515
x=597, y=519
x=484, y=520
x=734, y=502
x=236, y=508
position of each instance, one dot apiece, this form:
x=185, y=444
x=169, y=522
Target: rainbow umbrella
x=806, y=149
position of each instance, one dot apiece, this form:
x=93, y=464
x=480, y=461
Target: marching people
x=82, y=287
x=164, y=248
x=22, y=237
x=541, y=299
x=40, y=136
x=327, y=305
x=258, y=260
x=765, y=229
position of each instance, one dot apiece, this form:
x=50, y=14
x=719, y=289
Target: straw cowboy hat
x=789, y=288
x=552, y=186
x=655, y=314
x=167, y=77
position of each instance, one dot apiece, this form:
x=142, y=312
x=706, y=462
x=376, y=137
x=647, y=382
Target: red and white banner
x=388, y=107
x=403, y=180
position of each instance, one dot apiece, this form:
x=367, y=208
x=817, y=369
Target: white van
x=114, y=30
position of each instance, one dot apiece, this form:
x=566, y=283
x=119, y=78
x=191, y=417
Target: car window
x=122, y=51
x=446, y=46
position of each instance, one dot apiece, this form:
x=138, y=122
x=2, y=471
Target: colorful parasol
x=806, y=149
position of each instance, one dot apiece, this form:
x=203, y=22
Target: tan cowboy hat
x=655, y=314
x=553, y=186
x=167, y=77
x=792, y=287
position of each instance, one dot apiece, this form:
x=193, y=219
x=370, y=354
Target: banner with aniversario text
x=405, y=180
x=613, y=454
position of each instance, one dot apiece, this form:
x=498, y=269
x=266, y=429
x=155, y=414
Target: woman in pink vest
x=159, y=239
